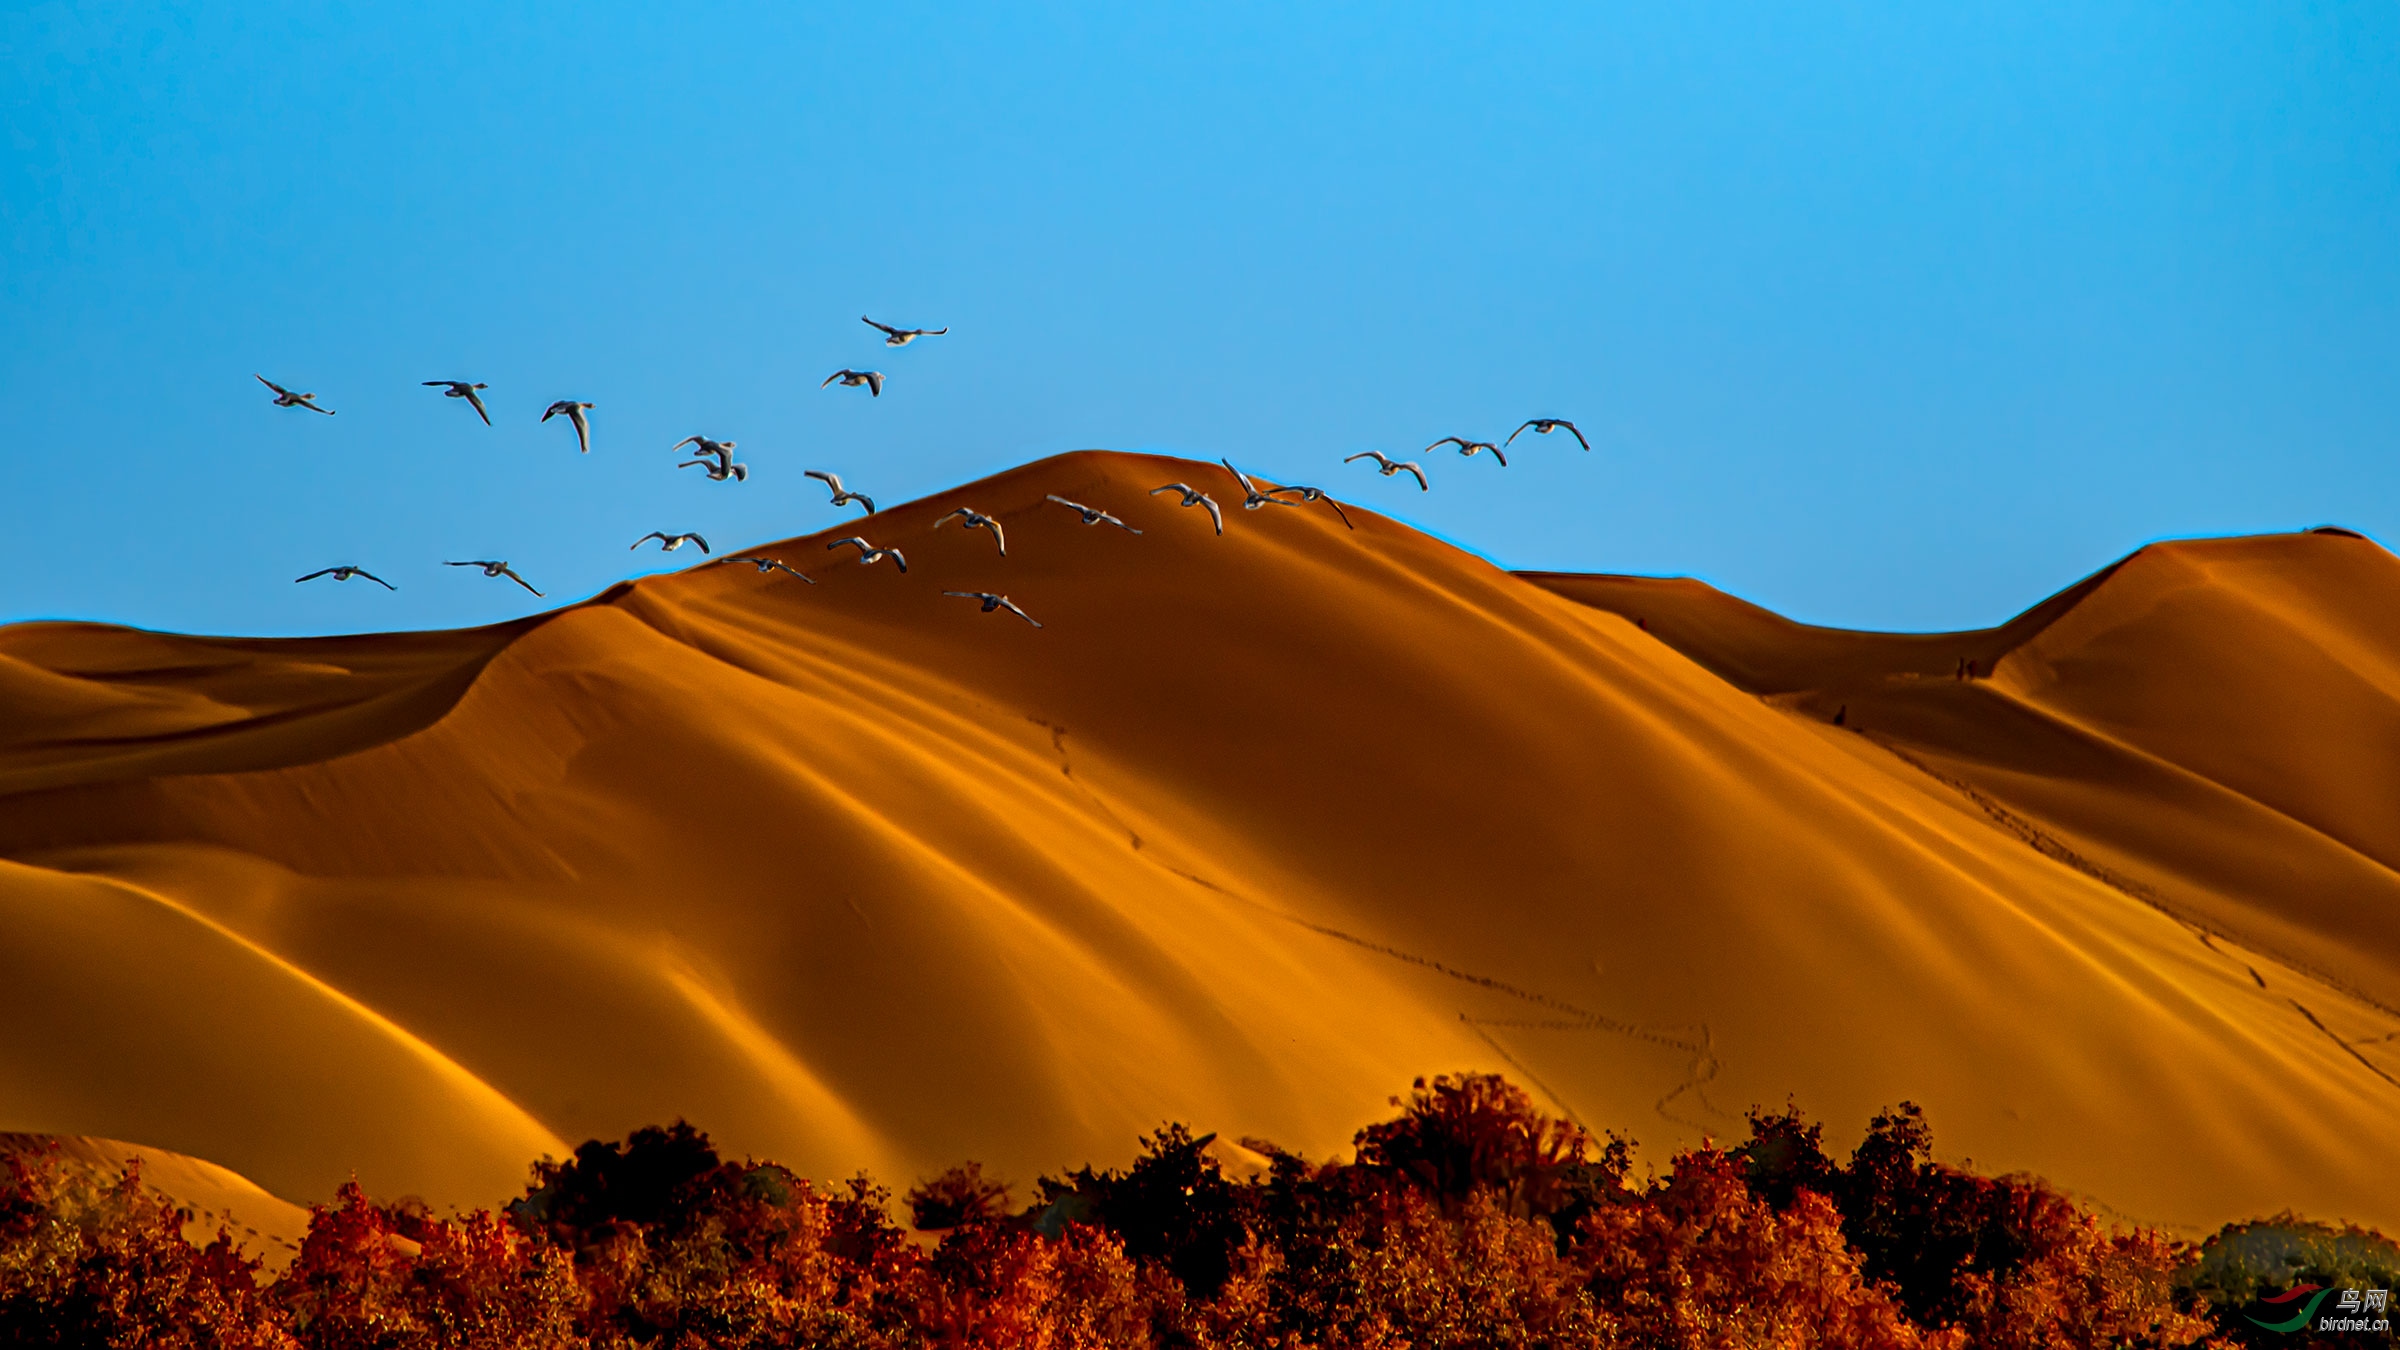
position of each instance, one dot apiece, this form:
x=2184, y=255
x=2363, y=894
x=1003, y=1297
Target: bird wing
x=874, y=385
x=1496, y=454
x=1337, y=509
x=553, y=410
x=1213, y=513
x=1248, y=488
x=1184, y=488
x=832, y=480
x=314, y=575
x=1422, y=486
x=884, y=326
x=374, y=578
x=1377, y=455
x=1512, y=436
x=966, y=595
x=646, y=539
x=511, y=574
x=933, y=332
x=1446, y=440
x=865, y=501
x=863, y=546
x=997, y=533
x=1011, y=607
x=1577, y=433
x=962, y=511
x=475, y=400
x=583, y=429
x=1072, y=506
x=834, y=376
x=899, y=558
x=698, y=540
x=688, y=440
x=476, y=563
x=270, y=384
x=312, y=407
x=439, y=384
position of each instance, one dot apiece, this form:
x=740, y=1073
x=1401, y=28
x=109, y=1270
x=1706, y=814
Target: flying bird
x=285, y=398
x=462, y=389
x=1193, y=496
x=707, y=446
x=496, y=569
x=900, y=337
x=872, y=379
x=1314, y=494
x=668, y=543
x=976, y=520
x=720, y=469
x=842, y=496
x=1252, y=498
x=1093, y=515
x=344, y=574
x=868, y=554
x=992, y=602
x=1543, y=426
x=574, y=412
x=771, y=565
x=1467, y=447
x=1389, y=466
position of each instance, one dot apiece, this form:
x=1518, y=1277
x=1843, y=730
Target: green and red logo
x=2316, y=1294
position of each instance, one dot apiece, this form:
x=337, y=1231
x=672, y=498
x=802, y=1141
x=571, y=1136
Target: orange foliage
x=1469, y=1220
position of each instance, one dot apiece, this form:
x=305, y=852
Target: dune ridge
x=1254, y=831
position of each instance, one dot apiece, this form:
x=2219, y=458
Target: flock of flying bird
x=715, y=459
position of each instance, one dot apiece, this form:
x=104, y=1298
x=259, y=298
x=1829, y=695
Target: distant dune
x=1254, y=831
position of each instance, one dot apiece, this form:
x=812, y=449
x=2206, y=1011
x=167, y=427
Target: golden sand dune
x=1256, y=829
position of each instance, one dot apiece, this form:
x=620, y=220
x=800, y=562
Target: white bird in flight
x=462, y=389
x=1543, y=426
x=976, y=520
x=900, y=337
x=1467, y=447
x=872, y=379
x=1093, y=515
x=285, y=398
x=770, y=565
x=1314, y=494
x=992, y=602
x=1252, y=498
x=668, y=543
x=707, y=446
x=721, y=467
x=574, y=412
x=1390, y=466
x=1193, y=496
x=344, y=573
x=496, y=569
x=719, y=470
x=842, y=496
x=868, y=554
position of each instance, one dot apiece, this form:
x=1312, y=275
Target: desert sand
x=1254, y=831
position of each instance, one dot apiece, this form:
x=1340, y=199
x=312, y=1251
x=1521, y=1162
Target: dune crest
x=1254, y=831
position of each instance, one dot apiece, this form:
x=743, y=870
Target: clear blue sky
x=1891, y=315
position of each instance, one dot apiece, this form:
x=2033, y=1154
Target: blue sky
x=1880, y=315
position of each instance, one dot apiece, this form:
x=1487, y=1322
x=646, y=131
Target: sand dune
x=1254, y=831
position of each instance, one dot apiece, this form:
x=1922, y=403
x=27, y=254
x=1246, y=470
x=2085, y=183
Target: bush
x=1469, y=1219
